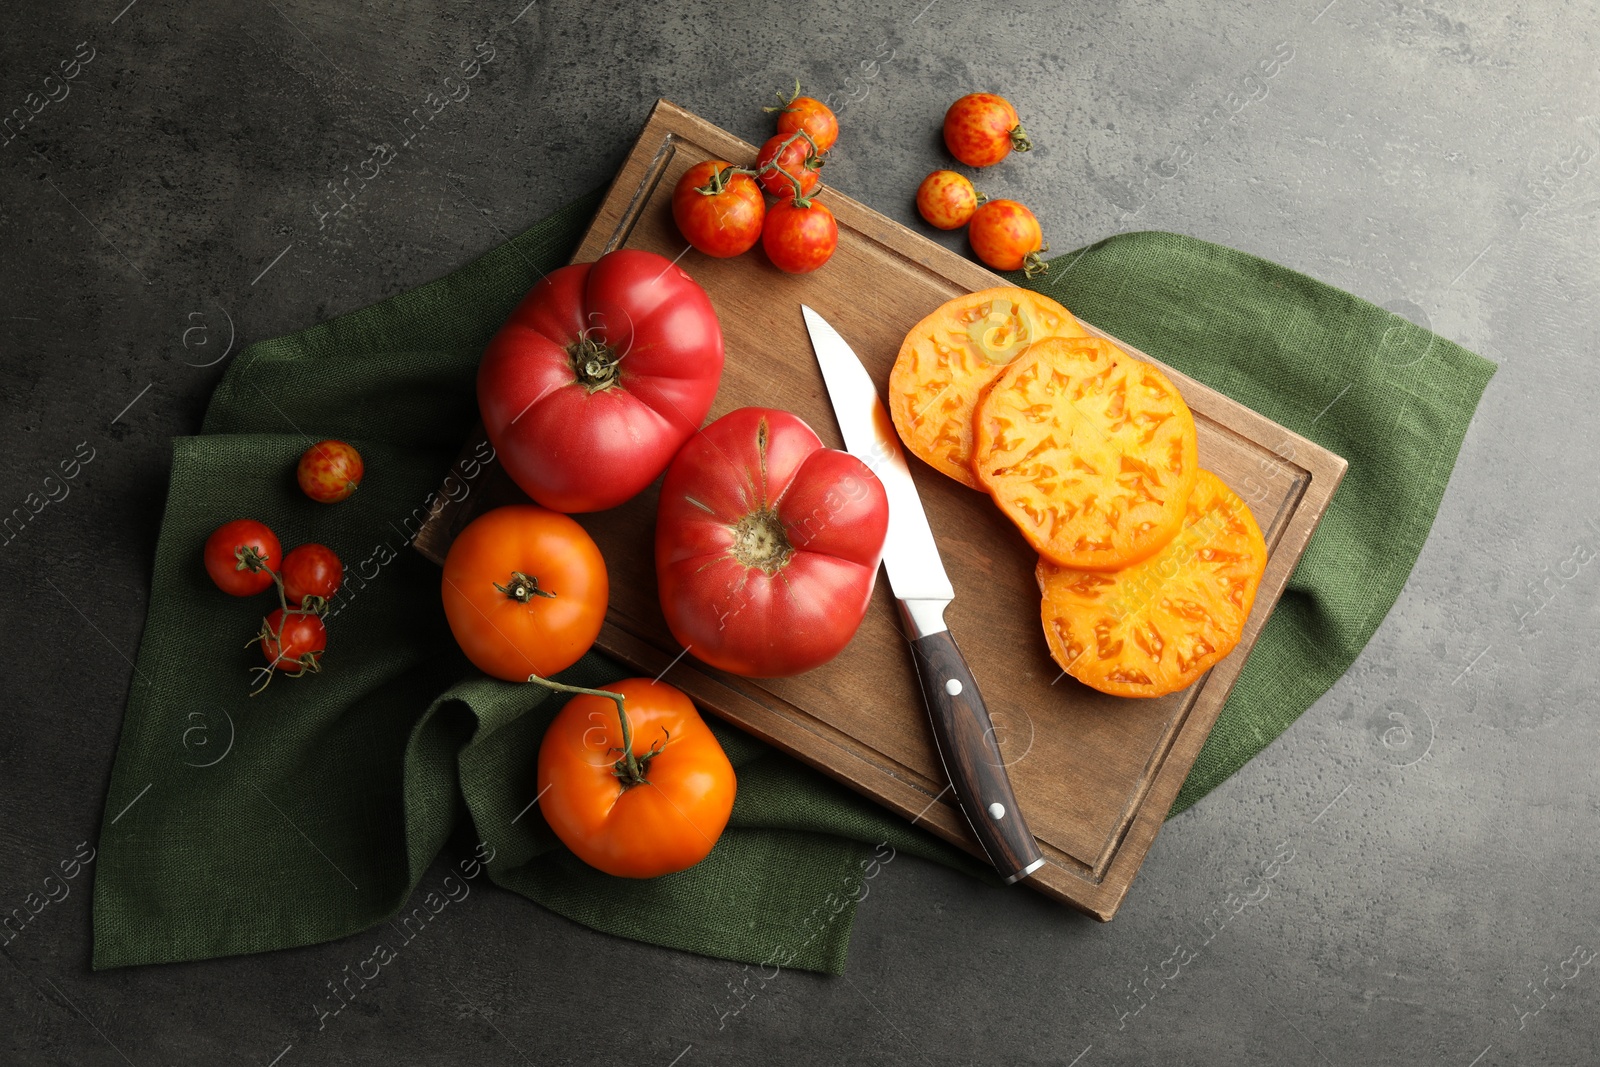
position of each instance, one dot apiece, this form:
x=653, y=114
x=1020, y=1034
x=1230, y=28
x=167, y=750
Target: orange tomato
x=1089, y=451
x=948, y=361
x=525, y=591
x=1006, y=236
x=666, y=822
x=946, y=199
x=1157, y=626
x=981, y=129
x=813, y=116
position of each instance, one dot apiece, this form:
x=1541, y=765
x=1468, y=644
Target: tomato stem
x=629, y=769
x=594, y=364
x=1032, y=265
x=788, y=103
x=1019, y=139
x=522, y=588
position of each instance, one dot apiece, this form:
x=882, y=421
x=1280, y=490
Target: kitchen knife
x=962, y=731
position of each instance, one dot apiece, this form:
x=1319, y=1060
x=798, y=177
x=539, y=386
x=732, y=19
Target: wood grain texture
x=1095, y=775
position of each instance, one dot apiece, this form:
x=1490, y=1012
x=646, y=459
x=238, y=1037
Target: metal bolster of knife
x=923, y=617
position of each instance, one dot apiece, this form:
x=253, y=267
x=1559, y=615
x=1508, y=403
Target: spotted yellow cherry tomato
x=947, y=200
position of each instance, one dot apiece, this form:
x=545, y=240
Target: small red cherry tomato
x=799, y=236
x=310, y=571
x=1006, y=236
x=981, y=129
x=329, y=471
x=813, y=116
x=717, y=209
x=293, y=640
x=797, y=159
x=946, y=199
x=239, y=555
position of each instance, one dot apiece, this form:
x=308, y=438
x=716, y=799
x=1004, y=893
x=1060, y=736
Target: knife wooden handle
x=965, y=739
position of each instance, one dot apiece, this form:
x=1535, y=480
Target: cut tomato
x=1155, y=627
x=1089, y=451
x=950, y=358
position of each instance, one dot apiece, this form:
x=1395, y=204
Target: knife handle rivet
x=953, y=687
x=997, y=811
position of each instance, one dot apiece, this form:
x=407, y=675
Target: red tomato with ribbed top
x=598, y=377
x=767, y=544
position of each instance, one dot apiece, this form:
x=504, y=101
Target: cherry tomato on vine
x=800, y=235
x=813, y=116
x=1006, y=236
x=718, y=209
x=525, y=591
x=981, y=129
x=796, y=159
x=239, y=555
x=293, y=640
x=310, y=571
x=329, y=471
x=656, y=814
x=947, y=200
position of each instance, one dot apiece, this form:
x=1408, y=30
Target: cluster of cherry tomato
x=720, y=209
x=980, y=130
x=244, y=557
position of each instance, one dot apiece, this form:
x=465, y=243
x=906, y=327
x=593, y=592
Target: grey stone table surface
x=1440, y=803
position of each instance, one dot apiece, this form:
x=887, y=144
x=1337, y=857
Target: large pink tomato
x=767, y=544
x=597, y=378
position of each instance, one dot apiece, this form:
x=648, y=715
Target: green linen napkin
x=314, y=810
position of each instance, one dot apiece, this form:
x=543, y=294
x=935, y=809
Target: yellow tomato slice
x=1157, y=626
x=1088, y=450
x=949, y=359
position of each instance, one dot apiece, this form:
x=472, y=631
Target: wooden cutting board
x=1094, y=774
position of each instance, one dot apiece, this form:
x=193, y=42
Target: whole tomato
x=329, y=471
x=981, y=129
x=310, y=571
x=800, y=235
x=947, y=200
x=1006, y=236
x=525, y=591
x=293, y=640
x=598, y=376
x=659, y=815
x=239, y=556
x=791, y=157
x=718, y=209
x=813, y=116
x=767, y=544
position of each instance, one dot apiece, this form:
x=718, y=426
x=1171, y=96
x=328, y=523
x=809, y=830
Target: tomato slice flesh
x=1091, y=452
x=950, y=358
x=1155, y=627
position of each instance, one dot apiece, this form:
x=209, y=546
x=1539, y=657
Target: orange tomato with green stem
x=947, y=200
x=525, y=591
x=1006, y=236
x=632, y=780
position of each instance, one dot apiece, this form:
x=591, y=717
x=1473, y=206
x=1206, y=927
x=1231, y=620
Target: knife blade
x=962, y=730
